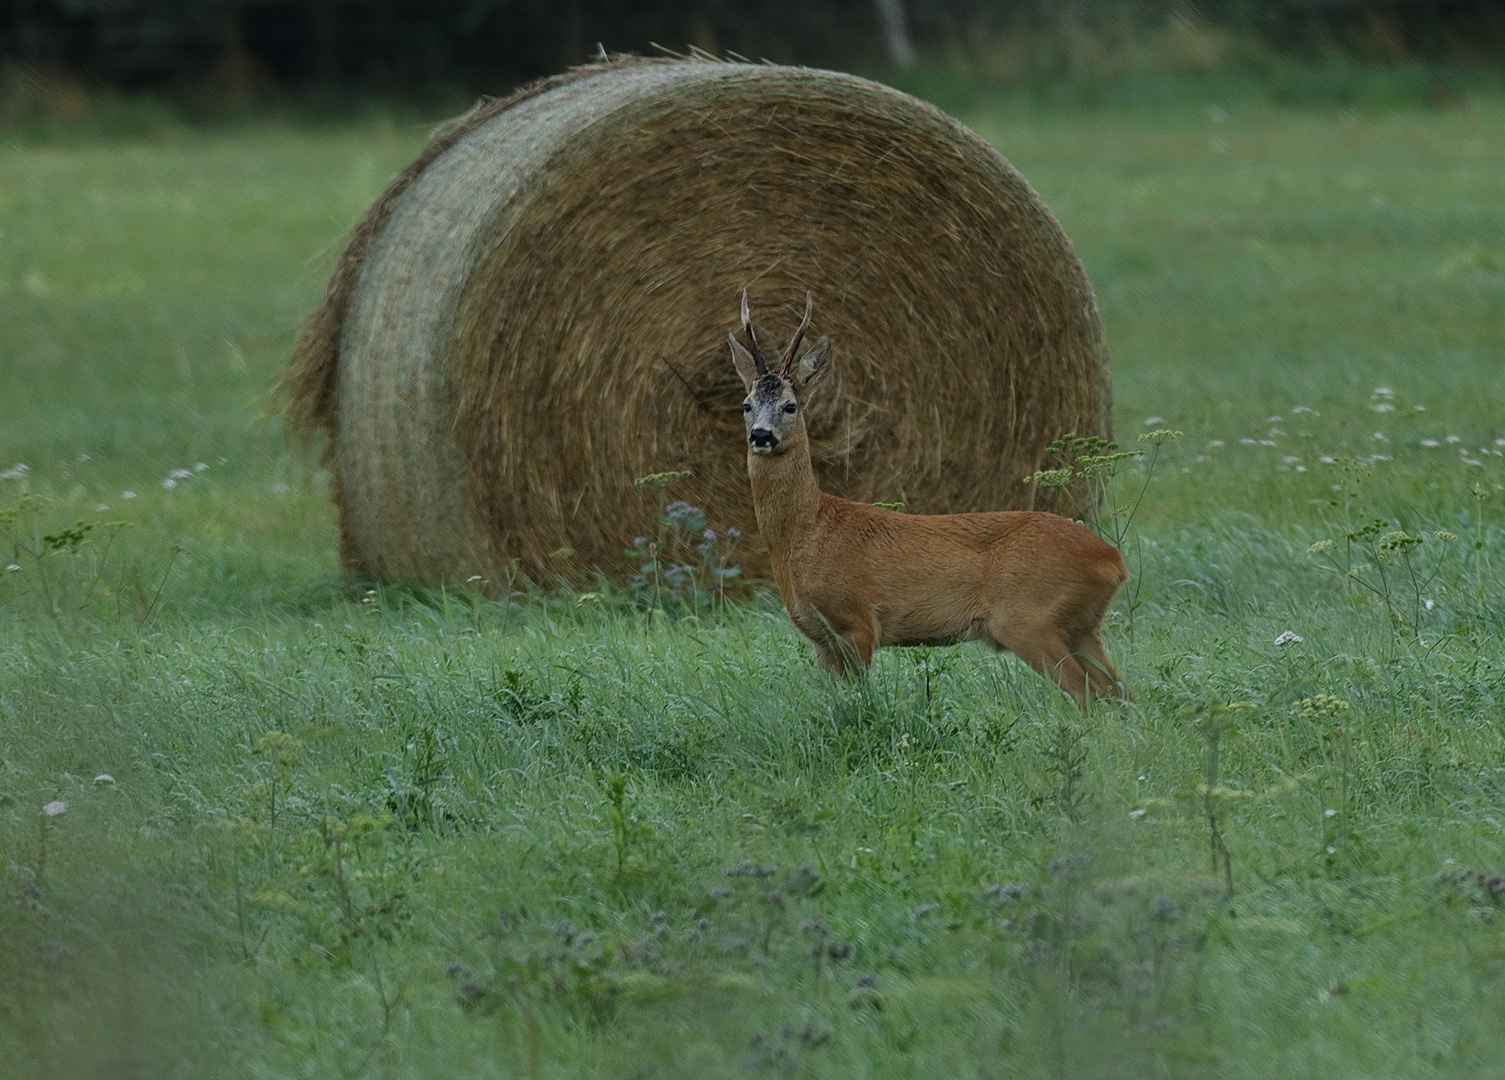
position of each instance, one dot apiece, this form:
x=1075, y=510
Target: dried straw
x=534, y=313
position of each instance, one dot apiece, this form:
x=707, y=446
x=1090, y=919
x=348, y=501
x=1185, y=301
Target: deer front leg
x=841, y=652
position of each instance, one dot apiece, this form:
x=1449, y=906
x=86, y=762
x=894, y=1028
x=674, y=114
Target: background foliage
x=487, y=45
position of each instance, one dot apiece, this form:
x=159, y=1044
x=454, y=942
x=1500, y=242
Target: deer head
x=772, y=408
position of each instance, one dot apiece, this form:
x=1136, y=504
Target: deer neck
x=786, y=498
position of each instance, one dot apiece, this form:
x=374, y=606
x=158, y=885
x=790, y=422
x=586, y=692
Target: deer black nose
x=762, y=439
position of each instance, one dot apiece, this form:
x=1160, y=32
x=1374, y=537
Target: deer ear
x=815, y=362
x=742, y=360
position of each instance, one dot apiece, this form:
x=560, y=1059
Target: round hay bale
x=534, y=314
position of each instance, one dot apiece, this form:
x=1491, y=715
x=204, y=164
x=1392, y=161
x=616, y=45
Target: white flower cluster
x=172, y=479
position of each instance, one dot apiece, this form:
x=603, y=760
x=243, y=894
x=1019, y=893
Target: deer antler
x=794, y=342
x=752, y=338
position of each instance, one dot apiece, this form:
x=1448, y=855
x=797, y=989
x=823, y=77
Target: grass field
x=312, y=830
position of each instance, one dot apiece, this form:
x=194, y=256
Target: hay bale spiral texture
x=535, y=312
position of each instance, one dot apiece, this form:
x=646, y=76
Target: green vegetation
x=315, y=830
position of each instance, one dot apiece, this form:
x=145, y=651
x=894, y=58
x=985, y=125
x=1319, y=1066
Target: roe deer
x=856, y=577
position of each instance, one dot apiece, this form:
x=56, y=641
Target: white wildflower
x=1304, y=409
x=1301, y=468
x=1430, y=444
x=1329, y=813
x=1220, y=443
x=1153, y=420
x=169, y=483
x=53, y=809
x=13, y=568
x=104, y=779
x=16, y=472
x=127, y=494
x=200, y=467
x=1273, y=420
x=1382, y=406
x=1326, y=460
x=1267, y=442
x=1383, y=392
x=1455, y=440
x=1288, y=637
x=1291, y=459
x=1381, y=436
x=1428, y=604
x=181, y=474
x=1135, y=815
x=1418, y=408
x=100, y=508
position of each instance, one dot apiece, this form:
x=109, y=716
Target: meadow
x=259, y=821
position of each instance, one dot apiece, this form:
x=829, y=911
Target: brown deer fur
x=856, y=577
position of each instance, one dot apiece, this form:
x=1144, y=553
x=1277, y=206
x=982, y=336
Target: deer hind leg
x=1084, y=634
x=1044, y=649
x=1101, y=675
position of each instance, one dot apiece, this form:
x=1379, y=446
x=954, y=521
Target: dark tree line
x=488, y=44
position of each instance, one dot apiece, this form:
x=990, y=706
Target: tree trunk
x=896, y=32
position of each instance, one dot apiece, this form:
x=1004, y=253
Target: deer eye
x=791, y=408
x=747, y=406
